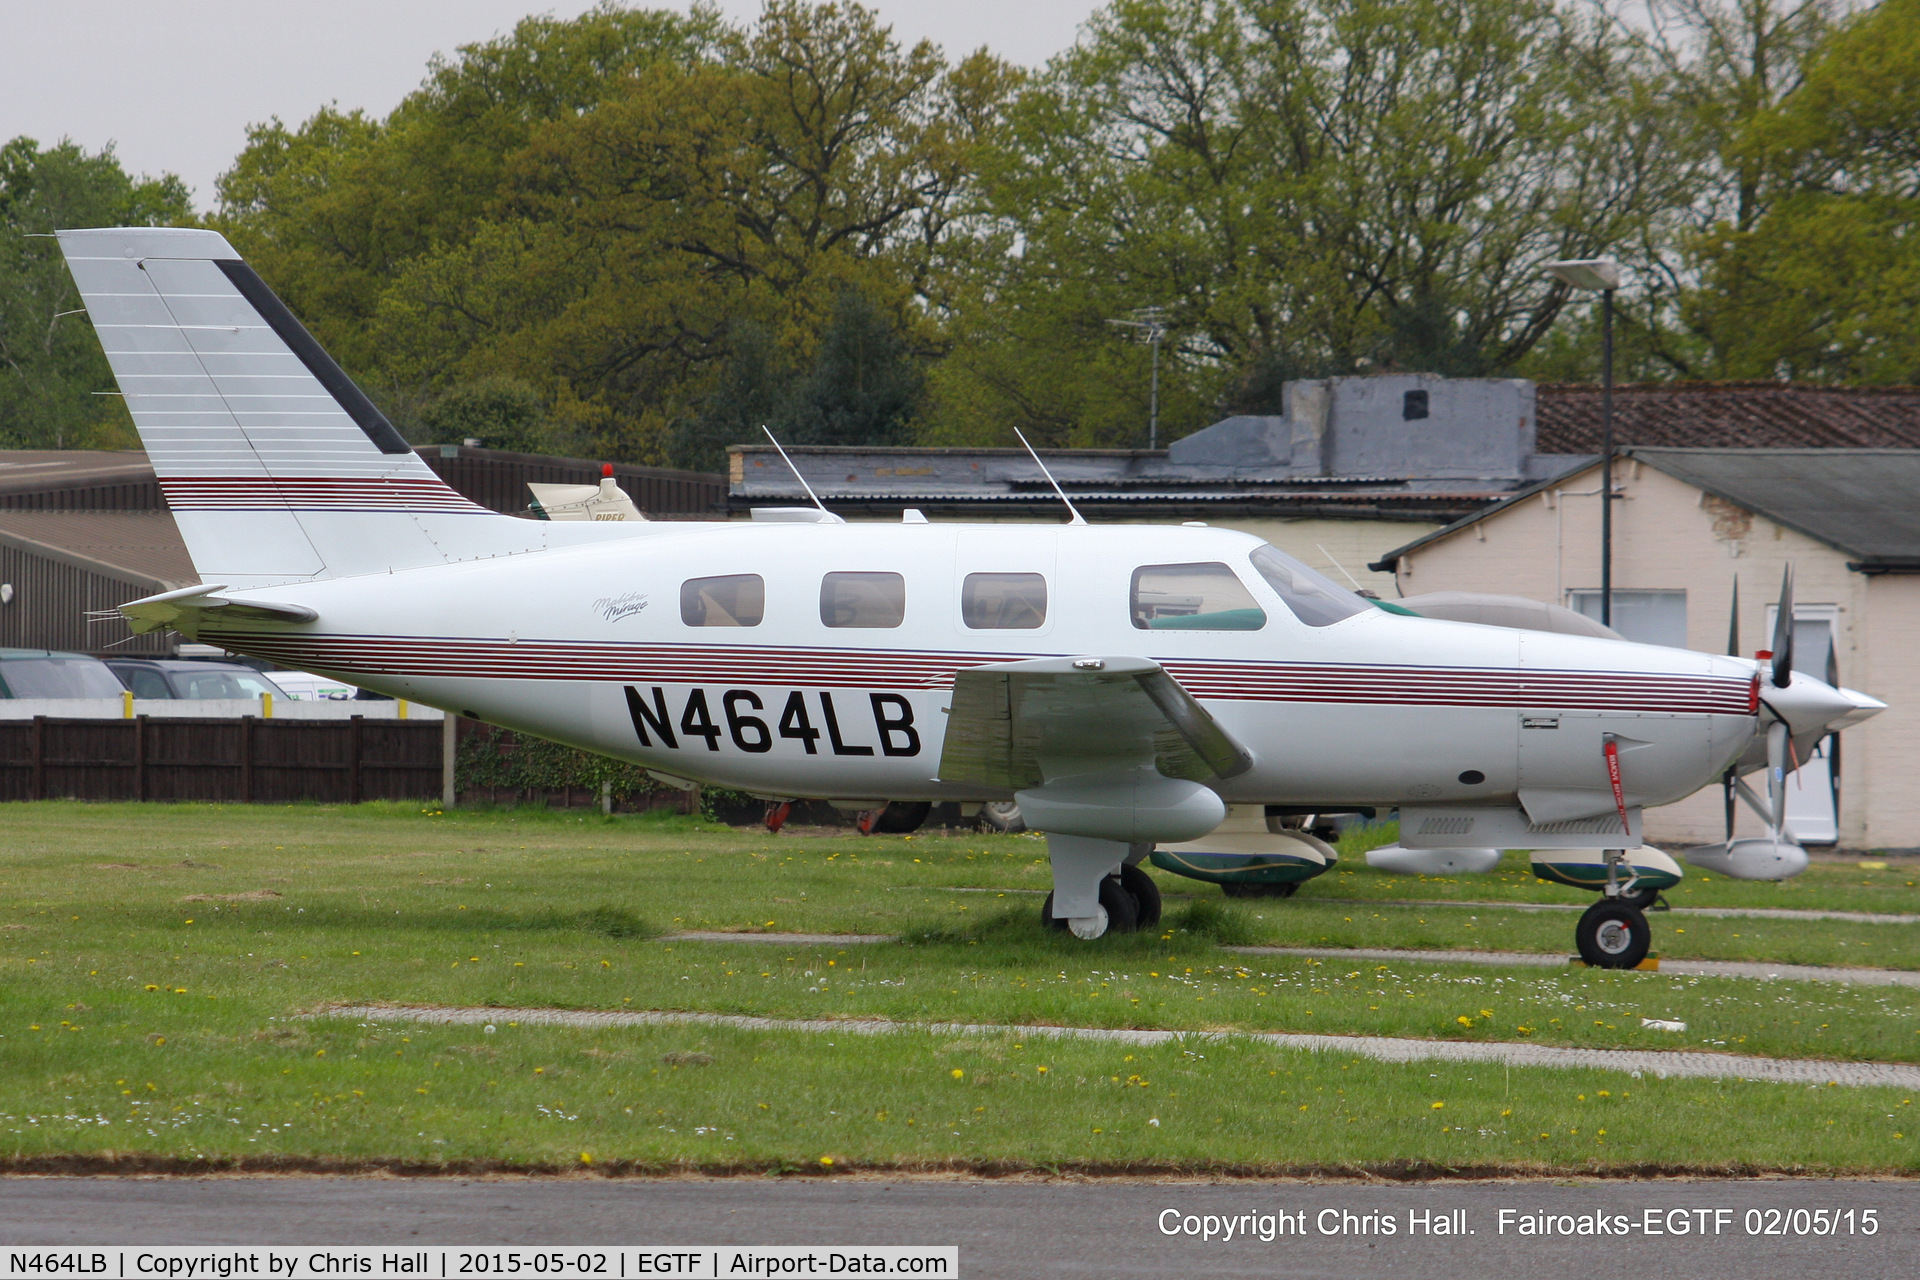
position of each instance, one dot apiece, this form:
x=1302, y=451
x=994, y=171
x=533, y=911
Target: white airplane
x=1132, y=687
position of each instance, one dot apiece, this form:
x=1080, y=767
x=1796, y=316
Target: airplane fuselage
x=594, y=646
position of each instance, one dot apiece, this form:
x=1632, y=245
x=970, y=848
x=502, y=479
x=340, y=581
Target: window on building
x=734, y=600
x=1647, y=617
x=1413, y=406
x=1193, y=597
x=1004, y=601
x=863, y=599
x=1314, y=599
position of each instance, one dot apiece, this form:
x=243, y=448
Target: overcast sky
x=174, y=83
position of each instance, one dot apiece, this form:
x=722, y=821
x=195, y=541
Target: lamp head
x=1586, y=273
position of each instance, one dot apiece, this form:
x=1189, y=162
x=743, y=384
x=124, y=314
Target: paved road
x=1014, y=1230
x=1656, y=1062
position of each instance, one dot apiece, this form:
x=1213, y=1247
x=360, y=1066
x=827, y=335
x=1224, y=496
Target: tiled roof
x=1731, y=415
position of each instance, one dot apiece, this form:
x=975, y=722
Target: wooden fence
x=247, y=759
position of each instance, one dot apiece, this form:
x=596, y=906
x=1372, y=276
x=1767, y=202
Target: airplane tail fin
x=276, y=466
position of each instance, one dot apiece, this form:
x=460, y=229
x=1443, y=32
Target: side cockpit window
x=736, y=600
x=1314, y=599
x=1193, y=597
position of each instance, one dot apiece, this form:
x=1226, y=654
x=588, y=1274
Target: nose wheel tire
x=1123, y=913
x=1233, y=890
x=1613, y=935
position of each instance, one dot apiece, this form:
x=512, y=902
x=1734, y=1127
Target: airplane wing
x=1008, y=716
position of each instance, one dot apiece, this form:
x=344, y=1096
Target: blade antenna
x=1077, y=517
x=796, y=472
x=1733, y=621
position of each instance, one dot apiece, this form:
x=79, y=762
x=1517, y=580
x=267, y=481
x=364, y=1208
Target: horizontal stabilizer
x=181, y=610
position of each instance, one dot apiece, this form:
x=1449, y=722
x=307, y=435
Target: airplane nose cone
x=1814, y=706
x=1865, y=707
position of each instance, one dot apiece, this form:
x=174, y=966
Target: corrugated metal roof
x=31, y=470
x=138, y=544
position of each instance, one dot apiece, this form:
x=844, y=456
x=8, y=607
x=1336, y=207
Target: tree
x=1824, y=283
x=1303, y=185
x=51, y=364
x=692, y=206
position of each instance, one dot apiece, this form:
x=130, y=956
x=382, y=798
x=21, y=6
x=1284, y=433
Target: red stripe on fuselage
x=446, y=656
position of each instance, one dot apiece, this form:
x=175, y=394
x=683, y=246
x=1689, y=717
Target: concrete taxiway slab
x=1659, y=1062
x=1547, y=960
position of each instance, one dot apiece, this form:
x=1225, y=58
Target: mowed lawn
x=156, y=964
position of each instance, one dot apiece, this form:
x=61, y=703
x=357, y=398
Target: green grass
x=203, y=932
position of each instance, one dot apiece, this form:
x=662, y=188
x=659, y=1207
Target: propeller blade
x=1733, y=621
x=1728, y=782
x=1778, y=738
x=1783, y=633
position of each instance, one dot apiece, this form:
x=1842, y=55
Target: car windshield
x=1314, y=599
x=57, y=677
x=222, y=682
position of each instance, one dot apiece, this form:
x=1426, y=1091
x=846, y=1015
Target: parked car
x=304, y=686
x=48, y=673
x=189, y=678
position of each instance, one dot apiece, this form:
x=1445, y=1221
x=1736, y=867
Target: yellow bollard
x=266, y=706
x=126, y=704
x=402, y=704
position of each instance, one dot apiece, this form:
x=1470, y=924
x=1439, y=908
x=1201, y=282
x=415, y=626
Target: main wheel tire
x=1146, y=895
x=1613, y=935
x=1002, y=816
x=1237, y=890
x=898, y=818
x=1122, y=914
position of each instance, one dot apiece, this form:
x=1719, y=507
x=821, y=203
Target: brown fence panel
x=248, y=759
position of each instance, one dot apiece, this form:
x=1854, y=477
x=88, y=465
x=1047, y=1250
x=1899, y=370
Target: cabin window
x=1314, y=599
x=735, y=600
x=1004, y=601
x=1193, y=597
x=863, y=599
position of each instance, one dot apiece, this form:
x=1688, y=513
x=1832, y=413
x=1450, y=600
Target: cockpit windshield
x=1314, y=599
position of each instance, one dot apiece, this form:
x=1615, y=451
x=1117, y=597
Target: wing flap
x=1008, y=717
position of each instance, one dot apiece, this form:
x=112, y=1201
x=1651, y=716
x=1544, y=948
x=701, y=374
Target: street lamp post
x=1152, y=323
x=1602, y=274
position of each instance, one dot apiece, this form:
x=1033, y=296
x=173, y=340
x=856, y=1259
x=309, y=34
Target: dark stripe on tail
x=318, y=362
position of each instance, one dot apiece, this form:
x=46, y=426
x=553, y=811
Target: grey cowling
x=1506, y=611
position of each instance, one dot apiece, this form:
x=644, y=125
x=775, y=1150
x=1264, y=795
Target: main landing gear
x=1612, y=933
x=1129, y=901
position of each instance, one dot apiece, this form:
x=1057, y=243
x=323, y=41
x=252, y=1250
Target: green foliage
x=51, y=363
x=1822, y=283
x=502, y=413
x=505, y=760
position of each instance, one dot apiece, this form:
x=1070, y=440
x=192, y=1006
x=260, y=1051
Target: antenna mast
x=1077, y=517
x=796, y=474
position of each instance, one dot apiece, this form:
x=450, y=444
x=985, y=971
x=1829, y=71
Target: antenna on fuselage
x=797, y=476
x=1077, y=517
